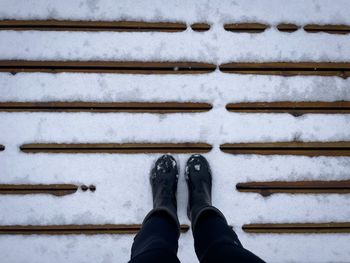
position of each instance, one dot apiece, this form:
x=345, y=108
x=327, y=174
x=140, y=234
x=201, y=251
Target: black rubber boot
x=199, y=178
x=164, y=177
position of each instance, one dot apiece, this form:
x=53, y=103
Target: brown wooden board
x=2, y=147
x=74, y=229
x=123, y=148
x=68, y=25
x=135, y=67
x=246, y=27
x=283, y=27
x=293, y=108
x=53, y=189
x=298, y=187
x=102, y=107
x=341, y=148
x=331, y=29
x=295, y=228
x=200, y=27
x=289, y=68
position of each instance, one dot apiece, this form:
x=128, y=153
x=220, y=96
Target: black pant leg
x=157, y=241
x=215, y=241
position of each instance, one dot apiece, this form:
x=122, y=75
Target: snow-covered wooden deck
x=92, y=92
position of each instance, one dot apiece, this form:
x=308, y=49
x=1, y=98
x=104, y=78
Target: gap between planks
x=331, y=29
x=74, y=229
x=200, y=27
x=297, y=187
x=295, y=228
x=70, y=25
x=246, y=27
x=340, y=148
x=127, y=67
x=255, y=27
x=101, y=107
x=289, y=68
x=294, y=108
x=121, y=148
x=137, y=67
x=143, y=26
x=53, y=189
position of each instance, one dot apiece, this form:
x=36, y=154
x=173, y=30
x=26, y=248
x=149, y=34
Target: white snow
x=223, y=11
x=197, y=167
x=123, y=193
x=216, y=88
x=215, y=46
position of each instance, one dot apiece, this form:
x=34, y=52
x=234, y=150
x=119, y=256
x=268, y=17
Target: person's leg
x=157, y=240
x=215, y=241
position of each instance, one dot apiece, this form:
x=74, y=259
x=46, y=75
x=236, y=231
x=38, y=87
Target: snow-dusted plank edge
x=316, y=228
x=267, y=188
x=91, y=26
x=312, y=149
x=139, y=26
x=88, y=229
x=105, y=107
x=294, y=108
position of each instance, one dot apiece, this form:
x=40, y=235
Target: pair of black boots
x=164, y=178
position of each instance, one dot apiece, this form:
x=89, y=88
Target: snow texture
x=215, y=46
x=123, y=192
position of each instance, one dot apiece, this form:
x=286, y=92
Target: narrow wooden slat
x=200, y=27
x=341, y=148
x=283, y=27
x=2, y=147
x=74, y=229
x=68, y=25
x=289, y=68
x=331, y=29
x=299, y=187
x=293, y=108
x=246, y=27
x=123, y=148
x=101, y=107
x=135, y=67
x=316, y=228
x=53, y=189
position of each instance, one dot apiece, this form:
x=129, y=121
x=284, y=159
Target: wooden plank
x=2, y=147
x=298, y=187
x=68, y=25
x=135, y=67
x=74, y=229
x=294, y=108
x=295, y=228
x=331, y=29
x=289, y=68
x=53, y=189
x=102, y=107
x=341, y=148
x=246, y=27
x=122, y=148
x=285, y=27
x=200, y=27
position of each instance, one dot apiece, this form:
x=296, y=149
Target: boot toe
x=197, y=164
x=165, y=165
